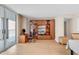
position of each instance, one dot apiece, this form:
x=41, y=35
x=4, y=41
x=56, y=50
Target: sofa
x=75, y=36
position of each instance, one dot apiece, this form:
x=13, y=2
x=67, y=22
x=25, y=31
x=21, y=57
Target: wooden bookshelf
x=50, y=28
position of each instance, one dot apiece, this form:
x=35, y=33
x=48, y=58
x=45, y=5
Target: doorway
x=67, y=27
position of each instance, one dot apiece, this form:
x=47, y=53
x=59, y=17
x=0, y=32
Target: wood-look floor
x=40, y=47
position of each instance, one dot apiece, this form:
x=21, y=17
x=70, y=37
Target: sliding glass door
x=7, y=28
x=7, y=33
x=1, y=28
x=10, y=33
x=1, y=35
x=11, y=30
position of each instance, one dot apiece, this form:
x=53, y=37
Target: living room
x=46, y=28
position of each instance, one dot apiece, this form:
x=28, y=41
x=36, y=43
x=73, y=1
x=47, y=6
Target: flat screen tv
x=41, y=29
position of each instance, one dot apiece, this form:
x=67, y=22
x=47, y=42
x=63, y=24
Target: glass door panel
x=10, y=35
x=1, y=35
x=11, y=30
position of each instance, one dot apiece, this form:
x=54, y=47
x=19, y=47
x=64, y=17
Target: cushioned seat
x=63, y=40
x=75, y=36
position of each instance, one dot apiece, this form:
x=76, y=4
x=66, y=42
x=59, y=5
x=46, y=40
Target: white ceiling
x=45, y=10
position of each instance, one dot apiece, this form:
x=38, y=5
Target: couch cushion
x=75, y=35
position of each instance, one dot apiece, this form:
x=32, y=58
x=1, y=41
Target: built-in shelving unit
x=48, y=27
x=44, y=29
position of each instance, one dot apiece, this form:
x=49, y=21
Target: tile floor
x=40, y=47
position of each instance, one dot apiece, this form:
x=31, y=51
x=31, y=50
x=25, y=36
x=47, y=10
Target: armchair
x=63, y=39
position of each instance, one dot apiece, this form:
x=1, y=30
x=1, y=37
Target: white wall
x=68, y=27
x=25, y=24
x=59, y=27
x=75, y=25
x=72, y=26
x=17, y=28
x=22, y=23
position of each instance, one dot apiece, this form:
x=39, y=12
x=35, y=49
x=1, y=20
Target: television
x=41, y=29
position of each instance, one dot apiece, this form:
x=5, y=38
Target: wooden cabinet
x=52, y=29
x=23, y=39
